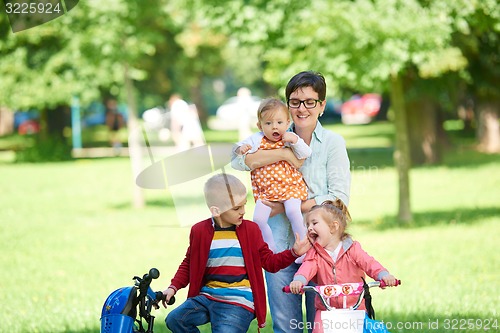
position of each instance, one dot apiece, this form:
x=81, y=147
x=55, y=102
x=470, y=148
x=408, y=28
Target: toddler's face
x=274, y=123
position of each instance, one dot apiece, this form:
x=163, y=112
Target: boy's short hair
x=224, y=191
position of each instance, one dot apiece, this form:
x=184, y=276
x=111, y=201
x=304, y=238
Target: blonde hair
x=270, y=104
x=333, y=211
x=224, y=191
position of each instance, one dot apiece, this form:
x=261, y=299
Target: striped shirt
x=226, y=278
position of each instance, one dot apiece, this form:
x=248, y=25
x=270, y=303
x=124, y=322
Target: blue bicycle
x=128, y=309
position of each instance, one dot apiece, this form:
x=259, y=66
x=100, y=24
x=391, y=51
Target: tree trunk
x=423, y=129
x=58, y=119
x=50, y=142
x=402, y=153
x=443, y=140
x=134, y=146
x=488, y=130
x=197, y=97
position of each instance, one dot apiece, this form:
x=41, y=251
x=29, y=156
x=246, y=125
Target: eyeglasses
x=308, y=103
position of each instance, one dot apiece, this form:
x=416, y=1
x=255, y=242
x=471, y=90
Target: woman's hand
x=290, y=157
x=261, y=158
x=276, y=207
x=307, y=205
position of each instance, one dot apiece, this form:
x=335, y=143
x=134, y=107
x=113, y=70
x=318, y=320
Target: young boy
x=223, y=265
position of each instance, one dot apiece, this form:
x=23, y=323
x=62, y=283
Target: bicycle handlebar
x=381, y=284
x=325, y=292
x=144, y=287
x=161, y=297
x=146, y=279
x=153, y=274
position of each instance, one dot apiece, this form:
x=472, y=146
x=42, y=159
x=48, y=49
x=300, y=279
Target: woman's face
x=302, y=117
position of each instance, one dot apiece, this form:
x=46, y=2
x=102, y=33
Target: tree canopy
x=420, y=52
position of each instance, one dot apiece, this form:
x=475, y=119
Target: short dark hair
x=312, y=79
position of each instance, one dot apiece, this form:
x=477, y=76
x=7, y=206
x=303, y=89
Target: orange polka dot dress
x=279, y=181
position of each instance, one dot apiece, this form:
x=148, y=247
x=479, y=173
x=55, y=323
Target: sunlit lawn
x=69, y=237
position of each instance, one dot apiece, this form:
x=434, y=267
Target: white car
x=234, y=110
x=156, y=118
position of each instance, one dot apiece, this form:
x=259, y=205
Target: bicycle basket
x=119, y=311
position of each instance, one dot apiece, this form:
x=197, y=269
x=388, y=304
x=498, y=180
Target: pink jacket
x=352, y=264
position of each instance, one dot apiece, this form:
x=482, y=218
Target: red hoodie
x=256, y=253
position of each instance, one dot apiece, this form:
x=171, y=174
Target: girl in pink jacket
x=335, y=258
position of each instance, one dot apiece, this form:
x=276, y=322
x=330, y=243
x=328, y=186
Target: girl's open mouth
x=313, y=236
x=276, y=135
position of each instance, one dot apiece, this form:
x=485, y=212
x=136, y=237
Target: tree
x=363, y=44
x=429, y=101
x=98, y=46
x=478, y=36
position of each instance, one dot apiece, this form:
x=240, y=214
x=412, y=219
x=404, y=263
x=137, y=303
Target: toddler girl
x=335, y=258
x=279, y=181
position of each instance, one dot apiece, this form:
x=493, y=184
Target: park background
x=425, y=191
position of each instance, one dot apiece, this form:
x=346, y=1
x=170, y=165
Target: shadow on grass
x=165, y=202
x=383, y=157
x=85, y=330
x=463, y=216
x=365, y=158
x=395, y=322
x=463, y=157
x=159, y=327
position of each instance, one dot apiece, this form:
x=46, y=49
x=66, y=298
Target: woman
x=327, y=175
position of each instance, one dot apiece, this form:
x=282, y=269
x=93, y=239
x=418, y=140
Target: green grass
x=69, y=237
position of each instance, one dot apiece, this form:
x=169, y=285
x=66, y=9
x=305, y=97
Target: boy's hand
x=169, y=292
x=243, y=149
x=389, y=280
x=296, y=287
x=301, y=246
x=290, y=137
